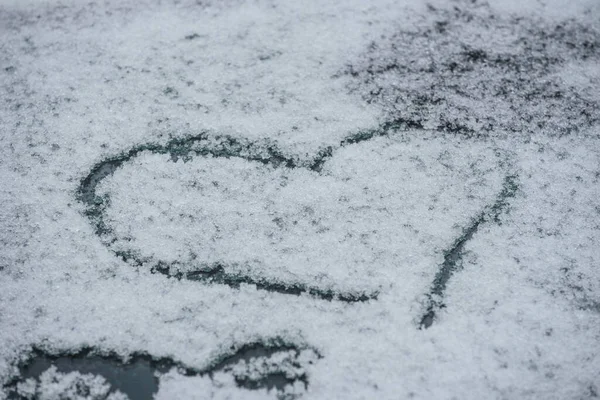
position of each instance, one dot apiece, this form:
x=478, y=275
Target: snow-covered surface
x=54, y=385
x=475, y=91
x=377, y=217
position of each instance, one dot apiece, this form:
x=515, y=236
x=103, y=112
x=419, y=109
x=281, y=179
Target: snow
x=53, y=385
x=414, y=151
x=355, y=227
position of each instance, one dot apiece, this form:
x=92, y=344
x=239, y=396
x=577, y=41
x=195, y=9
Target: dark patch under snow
x=468, y=70
x=138, y=376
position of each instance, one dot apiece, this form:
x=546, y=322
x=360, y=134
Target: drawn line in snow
x=137, y=375
x=204, y=144
x=453, y=256
x=218, y=275
x=266, y=153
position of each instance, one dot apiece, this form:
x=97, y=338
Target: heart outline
x=268, y=154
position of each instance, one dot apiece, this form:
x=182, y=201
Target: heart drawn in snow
x=378, y=212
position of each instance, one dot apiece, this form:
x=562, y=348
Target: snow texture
x=53, y=385
x=357, y=226
x=315, y=200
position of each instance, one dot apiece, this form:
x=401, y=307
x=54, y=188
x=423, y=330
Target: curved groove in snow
x=205, y=144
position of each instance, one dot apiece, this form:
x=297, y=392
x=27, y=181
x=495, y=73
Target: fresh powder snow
x=299, y=200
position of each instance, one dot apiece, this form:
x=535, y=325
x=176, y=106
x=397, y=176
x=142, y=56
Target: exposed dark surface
x=277, y=379
x=137, y=377
x=134, y=378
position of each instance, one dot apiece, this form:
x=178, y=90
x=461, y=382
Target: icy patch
x=272, y=366
x=54, y=385
x=270, y=373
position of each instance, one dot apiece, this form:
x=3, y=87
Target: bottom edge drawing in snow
x=246, y=213
x=272, y=365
